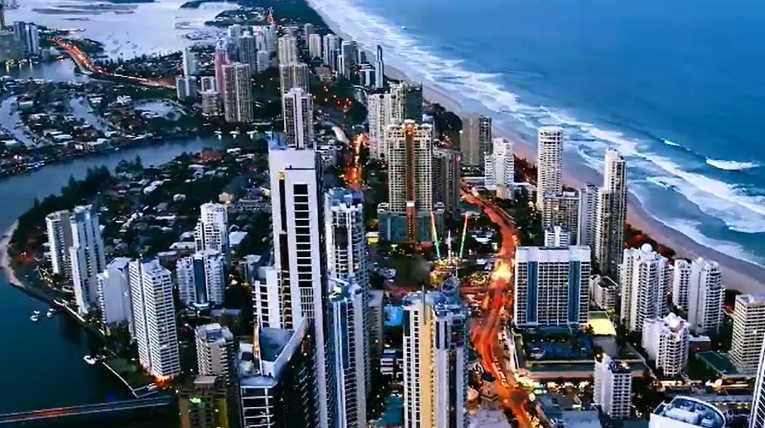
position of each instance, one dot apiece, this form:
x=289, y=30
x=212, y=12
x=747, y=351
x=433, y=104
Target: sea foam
x=729, y=165
x=719, y=199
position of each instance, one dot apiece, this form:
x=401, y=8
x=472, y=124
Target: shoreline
x=5, y=257
x=738, y=275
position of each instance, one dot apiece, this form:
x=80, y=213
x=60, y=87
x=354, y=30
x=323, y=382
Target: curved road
x=499, y=300
x=83, y=61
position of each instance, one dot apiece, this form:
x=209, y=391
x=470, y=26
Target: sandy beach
x=5, y=258
x=737, y=274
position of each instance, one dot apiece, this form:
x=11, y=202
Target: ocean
x=675, y=87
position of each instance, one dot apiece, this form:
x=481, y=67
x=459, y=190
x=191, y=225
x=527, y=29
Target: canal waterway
x=43, y=365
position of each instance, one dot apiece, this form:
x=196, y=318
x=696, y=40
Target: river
x=42, y=362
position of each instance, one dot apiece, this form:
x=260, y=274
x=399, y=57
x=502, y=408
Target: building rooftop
x=553, y=254
x=272, y=342
x=214, y=333
x=691, y=411
x=441, y=303
x=751, y=299
x=376, y=297
x=236, y=237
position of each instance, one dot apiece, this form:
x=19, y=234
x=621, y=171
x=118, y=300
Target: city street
x=499, y=301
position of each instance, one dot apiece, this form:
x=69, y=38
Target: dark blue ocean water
x=678, y=87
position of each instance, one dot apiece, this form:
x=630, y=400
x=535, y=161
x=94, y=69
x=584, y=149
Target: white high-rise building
x=114, y=293
x=379, y=116
x=645, y=279
x=345, y=236
x=611, y=215
x=613, y=387
x=561, y=209
x=680, y=283
x=666, y=340
x=314, y=45
x=346, y=253
x=499, y=168
x=706, y=297
x=588, y=200
x=748, y=332
x=552, y=286
x=379, y=68
x=211, y=232
x=687, y=412
x=287, y=50
x=237, y=94
x=59, y=227
x=349, y=57
x=298, y=118
x=190, y=62
x=86, y=255
x=348, y=314
x=208, y=83
x=757, y=416
x=331, y=44
x=216, y=352
x=151, y=289
x=549, y=162
x=263, y=61
x=557, y=236
x=435, y=361
x=293, y=75
x=248, y=51
x=297, y=232
x=202, y=278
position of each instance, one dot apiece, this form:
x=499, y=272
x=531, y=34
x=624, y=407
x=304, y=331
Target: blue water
x=677, y=87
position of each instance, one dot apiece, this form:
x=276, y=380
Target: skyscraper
x=216, y=352
x=296, y=213
x=248, y=51
x=379, y=69
x=287, y=50
x=220, y=58
x=644, y=280
x=410, y=213
x=613, y=387
x=499, y=165
x=298, y=118
x=293, y=75
x=407, y=101
x=345, y=236
x=376, y=321
x=314, y=46
x=588, y=199
x=189, y=62
x=203, y=405
x=185, y=87
x=540, y=297
x=476, y=140
x=331, y=45
x=211, y=232
x=349, y=54
x=757, y=415
x=549, y=162
x=59, y=228
x=202, y=278
x=561, y=209
x=611, y=215
x=379, y=117
x=435, y=361
x=348, y=315
x=447, y=165
x=114, y=293
x=557, y=236
x=666, y=342
x=237, y=95
x=86, y=255
x=748, y=332
x=277, y=379
x=706, y=297
x=151, y=289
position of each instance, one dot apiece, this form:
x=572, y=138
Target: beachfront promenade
x=102, y=411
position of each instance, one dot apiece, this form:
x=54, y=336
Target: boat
x=36, y=313
x=34, y=318
x=51, y=313
x=90, y=360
